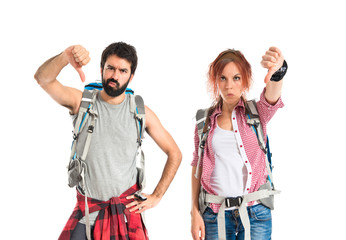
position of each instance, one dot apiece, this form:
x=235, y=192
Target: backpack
x=265, y=193
x=77, y=167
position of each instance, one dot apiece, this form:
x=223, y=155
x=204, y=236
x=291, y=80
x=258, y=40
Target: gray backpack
x=77, y=167
x=265, y=193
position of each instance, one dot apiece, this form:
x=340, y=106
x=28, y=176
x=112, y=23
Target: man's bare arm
x=165, y=141
x=46, y=76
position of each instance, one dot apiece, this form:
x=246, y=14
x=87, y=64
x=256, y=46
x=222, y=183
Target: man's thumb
x=81, y=74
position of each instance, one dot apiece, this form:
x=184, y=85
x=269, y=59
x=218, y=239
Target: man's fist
x=78, y=56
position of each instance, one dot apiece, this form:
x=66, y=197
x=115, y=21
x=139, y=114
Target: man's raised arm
x=47, y=73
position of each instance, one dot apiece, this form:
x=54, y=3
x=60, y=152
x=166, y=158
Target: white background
x=175, y=41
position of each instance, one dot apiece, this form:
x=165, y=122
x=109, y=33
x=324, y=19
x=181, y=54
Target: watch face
x=283, y=69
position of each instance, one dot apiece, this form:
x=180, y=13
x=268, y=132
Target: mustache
x=114, y=81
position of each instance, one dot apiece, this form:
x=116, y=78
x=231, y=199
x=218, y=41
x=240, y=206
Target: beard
x=114, y=91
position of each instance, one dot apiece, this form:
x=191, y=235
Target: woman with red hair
x=233, y=165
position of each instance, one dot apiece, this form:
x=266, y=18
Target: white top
x=229, y=177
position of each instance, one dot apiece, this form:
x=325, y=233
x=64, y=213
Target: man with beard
x=111, y=174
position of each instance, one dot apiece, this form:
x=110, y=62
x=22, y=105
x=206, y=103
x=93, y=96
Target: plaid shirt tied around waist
x=110, y=222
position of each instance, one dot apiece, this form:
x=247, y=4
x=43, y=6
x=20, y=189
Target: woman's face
x=230, y=84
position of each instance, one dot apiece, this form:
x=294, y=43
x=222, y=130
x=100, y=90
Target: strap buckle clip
x=91, y=129
x=75, y=136
x=202, y=144
x=233, y=202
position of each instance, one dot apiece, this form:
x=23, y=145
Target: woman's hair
x=215, y=71
x=217, y=66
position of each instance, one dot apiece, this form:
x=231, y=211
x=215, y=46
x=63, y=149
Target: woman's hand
x=273, y=61
x=197, y=226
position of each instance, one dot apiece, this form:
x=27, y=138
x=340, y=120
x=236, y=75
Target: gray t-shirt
x=111, y=160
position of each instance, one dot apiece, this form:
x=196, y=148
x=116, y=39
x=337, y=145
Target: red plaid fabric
x=110, y=223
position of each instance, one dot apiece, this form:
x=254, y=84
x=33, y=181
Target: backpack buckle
x=91, y=129
x=202, y=145
x=75, y=136
x=233, y=202
x=139, y=141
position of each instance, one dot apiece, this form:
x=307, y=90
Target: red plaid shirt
x=248, y=146
x=110, y=223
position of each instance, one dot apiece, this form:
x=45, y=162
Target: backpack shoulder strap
x=86, y=108
x=86, y=102
x=137, y=107
x=254, y=120
x=140, y=114
x=201, y=117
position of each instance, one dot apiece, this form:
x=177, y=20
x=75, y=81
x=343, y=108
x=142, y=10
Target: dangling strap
x=258, y=195
x=87, y=219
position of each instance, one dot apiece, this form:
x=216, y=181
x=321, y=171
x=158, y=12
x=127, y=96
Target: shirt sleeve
x=195, y=153
x=265, y=110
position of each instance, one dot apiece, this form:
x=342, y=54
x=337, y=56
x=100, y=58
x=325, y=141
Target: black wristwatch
x=279, y=74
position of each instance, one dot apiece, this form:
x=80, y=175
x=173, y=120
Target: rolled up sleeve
x=266, y=110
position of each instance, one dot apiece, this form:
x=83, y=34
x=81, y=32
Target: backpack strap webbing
x=201, y=117
x=254, y=120
x=138, y=109
x=86, y=109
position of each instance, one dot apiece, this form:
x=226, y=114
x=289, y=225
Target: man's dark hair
x=122, y=50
